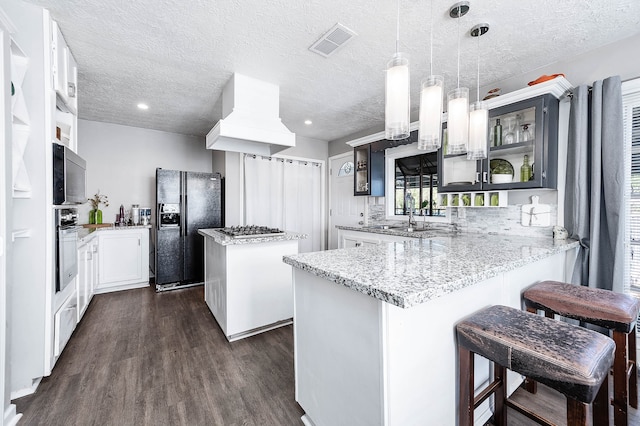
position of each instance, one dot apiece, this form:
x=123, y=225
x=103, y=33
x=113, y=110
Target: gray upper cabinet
x=522, y=150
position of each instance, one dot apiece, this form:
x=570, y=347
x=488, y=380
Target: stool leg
x=620, y=381
x=465, y=400
x=633, y=358
x=500, y=395
x=576, y=413
x=601, y=404
x=531, y=385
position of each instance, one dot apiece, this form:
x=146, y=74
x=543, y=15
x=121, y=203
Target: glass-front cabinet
x=369, y=171
x=521, y=150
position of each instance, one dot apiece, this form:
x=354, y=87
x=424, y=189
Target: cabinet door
x=71, y=85
x=60, y=62
x=83, y=279
x=120, y=258
x=529, y=136
x=94, y=269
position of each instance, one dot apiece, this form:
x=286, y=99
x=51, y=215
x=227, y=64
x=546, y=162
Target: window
x=416, y=185
x=346, y=169
x=631, y=114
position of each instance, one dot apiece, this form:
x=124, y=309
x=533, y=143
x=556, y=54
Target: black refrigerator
x=185, y=202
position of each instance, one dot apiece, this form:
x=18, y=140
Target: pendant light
x=397, y=101
x=431, y=91
x=478, y=113
x=458, y=99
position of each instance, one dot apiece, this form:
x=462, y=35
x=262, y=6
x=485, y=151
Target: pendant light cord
x=431, y=39
x=398, y=30
x=458, y=30
x=478, y=61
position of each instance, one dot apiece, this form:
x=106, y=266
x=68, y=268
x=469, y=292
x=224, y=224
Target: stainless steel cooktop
x=250, y=231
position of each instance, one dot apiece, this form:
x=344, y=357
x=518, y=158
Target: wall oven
x=66, y=246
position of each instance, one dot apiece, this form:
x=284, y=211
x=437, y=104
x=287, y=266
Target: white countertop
x=409, y=273
x=226, y=240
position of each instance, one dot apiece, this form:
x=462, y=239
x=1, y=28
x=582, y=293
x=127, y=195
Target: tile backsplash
x=488, y=220
x=501, y=220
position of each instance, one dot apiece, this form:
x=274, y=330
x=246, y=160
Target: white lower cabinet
x=65, y=321
x=87, y=279
x=124, y=259
x=349, y=238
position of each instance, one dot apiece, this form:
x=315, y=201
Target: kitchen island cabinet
x=246, y=285
x=374, y=327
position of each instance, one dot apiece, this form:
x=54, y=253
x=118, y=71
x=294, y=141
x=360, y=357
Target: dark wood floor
x=145, y=358
x=141, y=358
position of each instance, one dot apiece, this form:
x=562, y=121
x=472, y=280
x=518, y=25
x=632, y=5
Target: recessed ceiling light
x=308, y=122
x=143, y=106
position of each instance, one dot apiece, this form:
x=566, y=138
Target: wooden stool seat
x=614, y=311
x=605, y=308
x=570, y=359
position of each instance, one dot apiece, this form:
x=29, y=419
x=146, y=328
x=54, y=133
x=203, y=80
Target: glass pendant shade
x=430, y=130
x=397, y=98
x=458, y=120
x=478, y=131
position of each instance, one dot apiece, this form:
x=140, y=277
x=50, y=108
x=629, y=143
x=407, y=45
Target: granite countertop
x=226, y=240
x=409, y=273
x=83, y=233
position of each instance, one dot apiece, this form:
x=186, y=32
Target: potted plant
x=95, y=215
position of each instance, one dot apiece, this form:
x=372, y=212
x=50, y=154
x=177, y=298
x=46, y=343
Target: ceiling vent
x=332, y=40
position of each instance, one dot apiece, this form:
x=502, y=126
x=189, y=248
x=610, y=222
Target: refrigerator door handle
x=183, y=200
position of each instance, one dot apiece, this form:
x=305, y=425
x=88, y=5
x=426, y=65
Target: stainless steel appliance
x=185, y=202
x=250, y=231
x=66, y=247
x=69, y=177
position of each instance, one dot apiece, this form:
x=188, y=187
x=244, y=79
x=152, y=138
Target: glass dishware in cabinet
x=369, y=172
x=526, y=156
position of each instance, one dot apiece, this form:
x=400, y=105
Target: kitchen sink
x=408, y=229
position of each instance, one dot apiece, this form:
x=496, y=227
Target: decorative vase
x=92, y=216
x=98, y=217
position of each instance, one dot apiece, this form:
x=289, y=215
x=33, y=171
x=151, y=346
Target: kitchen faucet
x=409, y=201
x=412, y=222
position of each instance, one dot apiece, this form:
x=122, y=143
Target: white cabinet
x=124, y=259
x=87, y=279
x=65, y=71
x=349, y=238
x=65, y=321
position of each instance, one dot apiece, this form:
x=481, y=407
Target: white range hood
x=250, y=119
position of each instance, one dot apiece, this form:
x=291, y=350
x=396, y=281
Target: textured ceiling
x=177, y=55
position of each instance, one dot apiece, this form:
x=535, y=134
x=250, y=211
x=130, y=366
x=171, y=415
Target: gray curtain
x=594, y=200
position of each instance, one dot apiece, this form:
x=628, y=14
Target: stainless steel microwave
x=69, y=177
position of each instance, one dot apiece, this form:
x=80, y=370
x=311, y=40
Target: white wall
x=122, y=161
x=613, y=59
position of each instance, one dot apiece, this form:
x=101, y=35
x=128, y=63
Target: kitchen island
x=246, y=286
x=375, y=326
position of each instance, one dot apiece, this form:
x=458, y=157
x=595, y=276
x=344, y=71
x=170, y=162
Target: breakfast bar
x=374, y=326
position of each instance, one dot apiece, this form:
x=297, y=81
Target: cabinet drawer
x=65, y=322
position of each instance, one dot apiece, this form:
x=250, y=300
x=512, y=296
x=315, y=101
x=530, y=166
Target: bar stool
x=572, y=360
x=614, y=311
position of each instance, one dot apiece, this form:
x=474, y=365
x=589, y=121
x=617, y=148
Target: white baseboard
x=26, y=391
x=10, y=416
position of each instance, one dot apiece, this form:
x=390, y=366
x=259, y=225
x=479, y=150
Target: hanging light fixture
x=478, y=112
x=431, y=91
x=458, y=99
x=397, y=101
